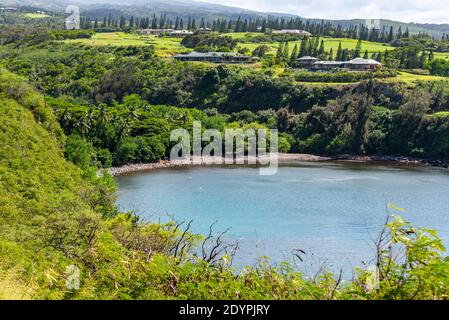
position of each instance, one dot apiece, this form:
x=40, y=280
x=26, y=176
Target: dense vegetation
x=113, y=102
x=55, y=215
x=68, y=109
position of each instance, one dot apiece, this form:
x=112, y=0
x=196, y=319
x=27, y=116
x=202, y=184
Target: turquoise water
x=332, y=211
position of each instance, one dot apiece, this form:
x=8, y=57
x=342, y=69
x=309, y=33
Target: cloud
x=435, y=11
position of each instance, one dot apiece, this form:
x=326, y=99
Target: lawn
x=372, y=47
x=402, y=77
x=35, y=15
x=442, y=55
x=409, y=77
x=165, y=47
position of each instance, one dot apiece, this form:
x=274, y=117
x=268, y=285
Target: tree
x=321, y=50
x=279, y=52
x=261, y=50
x=294, y=54
x=80, y=152
x=358, y=49
x=391, y=34
x=366, y=56
x=352, y=113
x=303, y=48
x=285, y=53
x=339, y=53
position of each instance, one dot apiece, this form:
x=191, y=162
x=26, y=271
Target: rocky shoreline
x=394, y=159
x=283, y=158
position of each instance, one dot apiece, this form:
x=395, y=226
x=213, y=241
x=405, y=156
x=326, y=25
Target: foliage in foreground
x=54, y=214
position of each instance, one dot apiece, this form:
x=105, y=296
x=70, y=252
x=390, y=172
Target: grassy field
x=165, y=47
x=35, y=15
x=329, y=43
x=410, y=78
x=442, y=55
x=402, y=77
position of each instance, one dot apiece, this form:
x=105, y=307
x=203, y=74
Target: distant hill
x=198, y=10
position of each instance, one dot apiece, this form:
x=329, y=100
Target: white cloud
x=435, y=11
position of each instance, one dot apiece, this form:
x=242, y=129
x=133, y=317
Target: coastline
x=283, y=158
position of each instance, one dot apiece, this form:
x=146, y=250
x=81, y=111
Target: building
x=357, y=64
x=179, y=33
x=363, y=64
x=327, y=65
x=216, y=57
x=8, y=9
x=292, y=32
x=306, y=61
x=154, y=31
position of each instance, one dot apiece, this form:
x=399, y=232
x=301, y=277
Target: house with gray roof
x=326, y=65
x=306, y=61
x=357, y=64
x=292, y=32
x=216, y=57
x=363, y=64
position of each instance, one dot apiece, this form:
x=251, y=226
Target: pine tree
x=422, y=59
x=399, y=35
x=279, y=52
x=387, y=59
x=321, y=50
x=366, y=56
x=264, y=26
x=285, y=53
x=189, y=24
x=294, y=54
x=154, y=22
x=339, y=53
x=358, y=49
x=315, y=46
x=303, y=48
x=345, y=55
x=122, y=22
x=406, y=34
x=391, y=34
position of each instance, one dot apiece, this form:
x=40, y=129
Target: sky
x=422, y=11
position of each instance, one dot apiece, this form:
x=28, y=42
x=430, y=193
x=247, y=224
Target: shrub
x=126, y=151
x=104, y=157
x=342, y=76
x=80, y=152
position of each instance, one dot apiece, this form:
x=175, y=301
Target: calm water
x=332, y=211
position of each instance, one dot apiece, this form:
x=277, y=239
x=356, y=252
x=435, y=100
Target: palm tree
x=103, y=114
x=84, y=124
x=65, y=118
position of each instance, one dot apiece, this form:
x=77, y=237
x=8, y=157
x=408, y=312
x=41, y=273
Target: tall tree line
x=322, y=28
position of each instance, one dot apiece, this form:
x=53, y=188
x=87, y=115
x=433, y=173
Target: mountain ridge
x=198, y=9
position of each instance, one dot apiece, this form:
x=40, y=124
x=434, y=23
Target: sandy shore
x=283, y=158
x=162, y=164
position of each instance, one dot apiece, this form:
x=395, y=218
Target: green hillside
x=55, y=216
